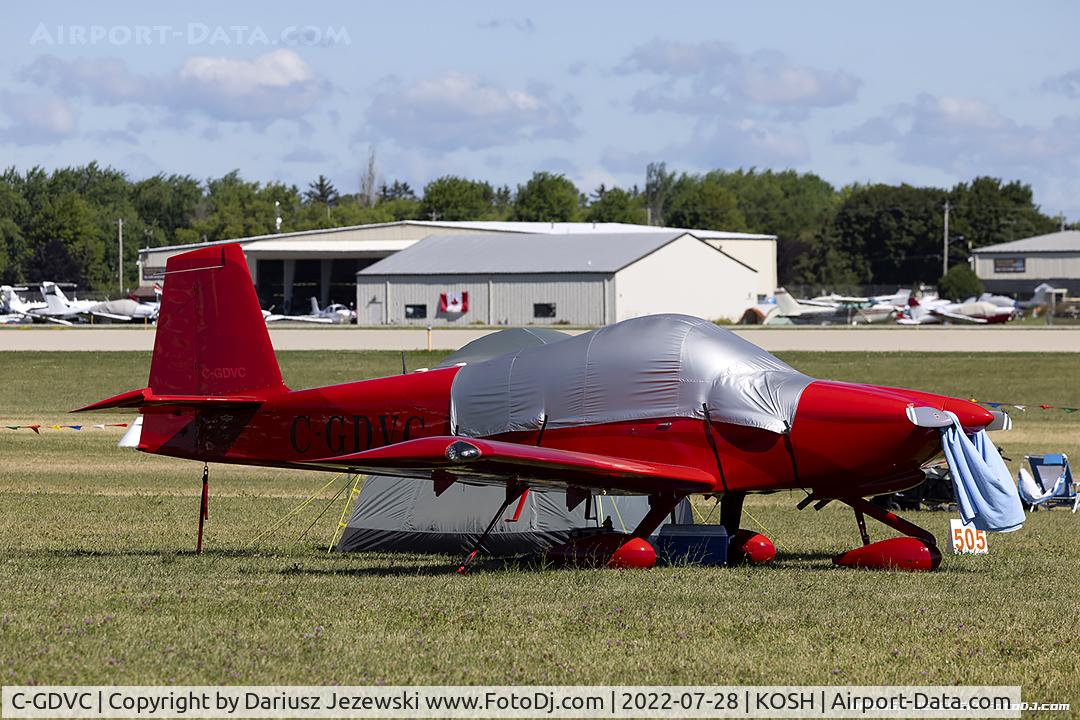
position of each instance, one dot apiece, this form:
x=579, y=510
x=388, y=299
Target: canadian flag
x=454, y=302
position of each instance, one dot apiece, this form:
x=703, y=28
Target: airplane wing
x=111, y=316
x=310, y=319
x=48, y=318
x=958, y=317
x=475, y=460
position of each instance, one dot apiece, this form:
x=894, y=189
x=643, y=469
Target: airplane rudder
x=211, y=336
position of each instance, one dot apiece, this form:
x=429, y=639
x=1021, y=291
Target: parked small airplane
x=934, y=311
x=829, y=309
x=663, y=405
x=333, y=314
x=13, y=309
x=126, y=310
x=59, y=309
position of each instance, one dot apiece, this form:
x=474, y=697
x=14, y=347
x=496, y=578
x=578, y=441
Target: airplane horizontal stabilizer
x=145, y=398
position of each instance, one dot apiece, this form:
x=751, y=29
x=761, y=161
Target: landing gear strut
x=514, y=490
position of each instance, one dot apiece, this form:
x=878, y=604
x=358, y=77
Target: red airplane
x=665, y=406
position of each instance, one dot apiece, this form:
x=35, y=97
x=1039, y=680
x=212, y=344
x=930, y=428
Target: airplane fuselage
x=846, y=440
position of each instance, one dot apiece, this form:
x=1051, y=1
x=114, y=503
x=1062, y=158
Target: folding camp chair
x=1050, y=482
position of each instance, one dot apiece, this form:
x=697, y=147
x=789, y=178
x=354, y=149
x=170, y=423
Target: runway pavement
x=870, y=339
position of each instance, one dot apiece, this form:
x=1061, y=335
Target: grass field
x=98, y=583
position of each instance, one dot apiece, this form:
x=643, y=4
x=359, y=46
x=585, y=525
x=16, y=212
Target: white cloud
x=742, y=142
x=455, y=111
x=967, y=136
x=707, y=77
x=277, y=84
x=718, y=143
x=35, y=119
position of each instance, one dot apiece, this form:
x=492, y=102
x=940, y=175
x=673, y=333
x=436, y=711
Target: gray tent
x=395, y=514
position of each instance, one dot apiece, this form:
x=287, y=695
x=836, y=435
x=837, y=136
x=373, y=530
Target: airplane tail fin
x=211, y=340
x=54, y=297
x=786, y=304
x=314, y=306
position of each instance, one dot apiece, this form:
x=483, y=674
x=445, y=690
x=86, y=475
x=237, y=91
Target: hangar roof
x=293, y=245
x=497, y=253
x=1065, y=241
x=532, y=228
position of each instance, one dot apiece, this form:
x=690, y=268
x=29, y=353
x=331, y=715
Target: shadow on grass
x=162, y=553
x=818, y=560
x=428, y=566
x=384, y=565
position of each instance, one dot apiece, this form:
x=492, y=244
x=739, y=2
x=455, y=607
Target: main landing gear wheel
x=618, y=550
x=744, y=546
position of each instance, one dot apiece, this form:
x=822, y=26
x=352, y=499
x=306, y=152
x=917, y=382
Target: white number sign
x=966, y=539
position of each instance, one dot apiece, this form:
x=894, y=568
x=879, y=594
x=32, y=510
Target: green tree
x=166, y=204
x=702, y=202
x=987, y=211
x=616, y=205
x=321, y=191
x=69, y=244
x=797, y=208
x=959, y=283
x=397, y=190
x=234, y=208
x=546, y=197
x=13, y=246
x=456, y=198
x=892, y=234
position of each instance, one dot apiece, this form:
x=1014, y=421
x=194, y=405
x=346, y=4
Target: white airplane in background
x=932, y=310
x=13, y=309
x=830, y=309
x=334, y=314
x=270, y=317
x=58, y=308
x=126, y=310
x=896, y=300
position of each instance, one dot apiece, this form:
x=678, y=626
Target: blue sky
x=918, y=92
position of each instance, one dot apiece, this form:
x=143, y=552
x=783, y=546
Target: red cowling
x=749, y=546
x=899, y=553
x=614, y=550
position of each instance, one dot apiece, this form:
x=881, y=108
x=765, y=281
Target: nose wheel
x=917, y=551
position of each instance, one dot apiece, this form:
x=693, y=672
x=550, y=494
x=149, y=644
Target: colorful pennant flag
x=37, y=428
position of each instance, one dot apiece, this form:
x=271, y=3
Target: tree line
x=62, y=225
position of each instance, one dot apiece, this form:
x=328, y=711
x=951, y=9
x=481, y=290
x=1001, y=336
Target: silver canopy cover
x=657, y=366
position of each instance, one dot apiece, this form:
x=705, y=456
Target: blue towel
x=985, y=490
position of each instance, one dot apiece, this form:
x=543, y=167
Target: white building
x=573, y=279
x=1020, y=265
x=288, y=268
